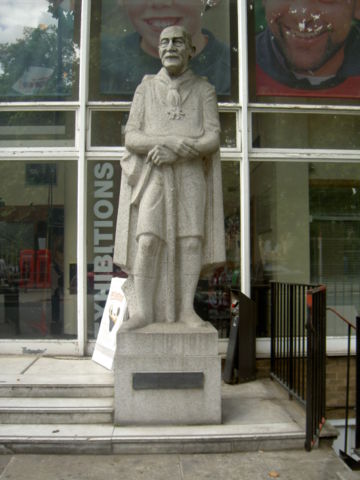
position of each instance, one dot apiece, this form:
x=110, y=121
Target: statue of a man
x=170, y=221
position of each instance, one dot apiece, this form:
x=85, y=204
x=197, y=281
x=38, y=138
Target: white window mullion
x=244, y=168
x=82, y=182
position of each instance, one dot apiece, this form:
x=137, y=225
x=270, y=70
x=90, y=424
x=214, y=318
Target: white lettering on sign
x=103, y=235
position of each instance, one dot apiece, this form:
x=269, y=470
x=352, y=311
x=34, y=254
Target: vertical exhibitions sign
x=114, y=314
x=103, y=235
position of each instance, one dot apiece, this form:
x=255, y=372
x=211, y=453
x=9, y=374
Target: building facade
x=287, y=76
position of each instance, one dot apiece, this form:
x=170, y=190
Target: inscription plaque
x=167, y=380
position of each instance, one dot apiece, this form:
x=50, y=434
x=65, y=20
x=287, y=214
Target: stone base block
x=167, y=374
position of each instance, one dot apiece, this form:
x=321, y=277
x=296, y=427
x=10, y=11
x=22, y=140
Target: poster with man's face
x=129, y=39
x=308, y=48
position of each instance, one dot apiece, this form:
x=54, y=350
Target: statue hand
x=160, y=155
x=183, y=147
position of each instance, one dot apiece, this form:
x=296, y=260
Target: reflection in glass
x=307, y=48
x=128, y=35
x=228, y=130
x=334, y=203
x=108, y=129
x=37, y=245
x=37, y=129
x=212, y=298
x=306, y=229
x=38, y=51
x=276, y=130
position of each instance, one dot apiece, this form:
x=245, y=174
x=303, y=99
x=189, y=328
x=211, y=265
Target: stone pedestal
x=167, y=374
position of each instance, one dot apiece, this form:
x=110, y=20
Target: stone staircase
x=65, y=405
x=65, y=399
x=41, y=395
x=61, y=410
x=46, y=403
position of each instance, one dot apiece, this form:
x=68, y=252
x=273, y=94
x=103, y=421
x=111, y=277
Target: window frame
x=244, y=153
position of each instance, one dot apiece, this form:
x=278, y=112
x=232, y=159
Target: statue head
x=175, y=49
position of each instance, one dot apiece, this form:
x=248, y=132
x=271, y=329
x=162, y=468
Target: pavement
x=320, y=464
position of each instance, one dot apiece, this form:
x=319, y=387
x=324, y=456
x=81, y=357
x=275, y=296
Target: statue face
x=174, y=50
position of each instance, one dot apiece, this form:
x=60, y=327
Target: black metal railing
x=298, y=353
x=345, y=454
x=316, y=365
x=357, y=395
x=288, y=336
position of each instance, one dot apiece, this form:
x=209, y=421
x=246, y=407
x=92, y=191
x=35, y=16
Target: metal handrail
x=356, y=329
x=290, y=355
x=316, y=364
x=331, y=309
x=298, y=348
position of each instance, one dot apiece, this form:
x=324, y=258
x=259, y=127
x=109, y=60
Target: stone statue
x=170, y=224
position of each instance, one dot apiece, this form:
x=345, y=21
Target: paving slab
x=267, y=389
x=40, y=370
x=95, y=467
x=223, y=466
x=261, y=402
x=16, y=364
x=65, y=365
x=4, y=460
x=321, y=464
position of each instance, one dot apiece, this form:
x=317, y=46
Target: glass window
x=228, y=130
x=125, y=44
x=302, y=130
x=305, y=229
x=39, y=49
x=108, y=129
x=37, y=247
x=305, y=49
x=212, y=300
x=37, y=129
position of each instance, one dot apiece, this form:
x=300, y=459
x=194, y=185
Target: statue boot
x=189, y=272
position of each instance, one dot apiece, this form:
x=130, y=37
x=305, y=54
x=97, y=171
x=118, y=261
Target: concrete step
x=347, y=475
x=110, y=439
x=65, y=405
x=56, y=410
x=60, y=386
x=56, y=377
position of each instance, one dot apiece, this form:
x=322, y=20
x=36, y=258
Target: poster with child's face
x=129, y=38
x=308, y=48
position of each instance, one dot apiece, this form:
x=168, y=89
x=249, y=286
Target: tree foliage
x=43, y=62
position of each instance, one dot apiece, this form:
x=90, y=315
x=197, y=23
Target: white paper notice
x=114, y=314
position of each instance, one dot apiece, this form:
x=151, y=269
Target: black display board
x=240, y=364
